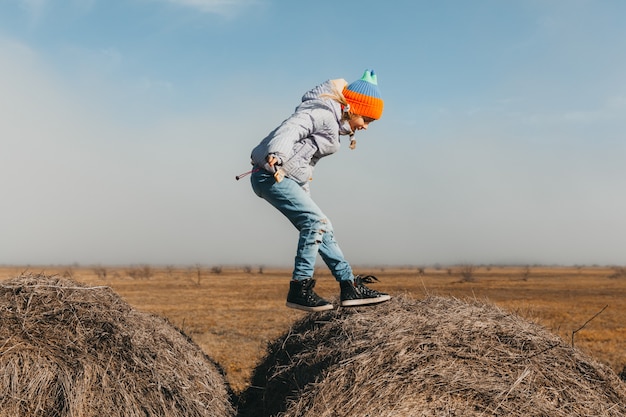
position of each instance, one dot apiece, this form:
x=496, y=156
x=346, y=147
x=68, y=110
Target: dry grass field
x=232, y=313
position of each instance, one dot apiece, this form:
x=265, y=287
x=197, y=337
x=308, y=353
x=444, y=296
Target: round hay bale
x=435, y=357
x=67, y=349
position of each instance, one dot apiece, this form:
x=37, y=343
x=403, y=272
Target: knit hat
x=363, y=96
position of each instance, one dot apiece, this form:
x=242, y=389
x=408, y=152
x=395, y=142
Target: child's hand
x=272, y=160
x=272, y=165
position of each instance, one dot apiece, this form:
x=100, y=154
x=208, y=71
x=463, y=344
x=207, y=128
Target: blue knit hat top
x=367, y=85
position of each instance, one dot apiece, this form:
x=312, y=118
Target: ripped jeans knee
x=319, y=238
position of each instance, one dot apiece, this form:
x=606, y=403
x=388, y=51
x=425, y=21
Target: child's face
x=359, y=122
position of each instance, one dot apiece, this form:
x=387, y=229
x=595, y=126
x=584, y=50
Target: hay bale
x=67, y=349
x=434, y=357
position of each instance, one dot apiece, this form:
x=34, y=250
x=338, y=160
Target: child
x=284, y=163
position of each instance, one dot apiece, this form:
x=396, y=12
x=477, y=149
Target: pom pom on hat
x=364, y=96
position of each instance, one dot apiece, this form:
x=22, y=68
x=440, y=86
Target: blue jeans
x=316, y=231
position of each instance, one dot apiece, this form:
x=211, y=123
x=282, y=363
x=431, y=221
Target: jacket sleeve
x=297, y=127
x=315, y=124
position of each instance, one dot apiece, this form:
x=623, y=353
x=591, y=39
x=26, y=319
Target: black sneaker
x=355, y=293
x=302, y=296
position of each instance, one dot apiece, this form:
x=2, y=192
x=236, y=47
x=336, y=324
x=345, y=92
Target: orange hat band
x=364, y=105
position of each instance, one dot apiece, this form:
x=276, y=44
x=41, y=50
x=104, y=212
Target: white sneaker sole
x=365, y=301
x=307, y=308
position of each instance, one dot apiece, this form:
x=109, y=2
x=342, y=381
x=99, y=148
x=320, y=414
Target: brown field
x=232, y=313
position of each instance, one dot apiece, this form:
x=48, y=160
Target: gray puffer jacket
x=309, y=134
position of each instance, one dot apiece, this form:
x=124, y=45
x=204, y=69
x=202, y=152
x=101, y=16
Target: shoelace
x=368, y=279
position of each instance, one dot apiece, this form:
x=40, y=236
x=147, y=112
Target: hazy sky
x=124, y=123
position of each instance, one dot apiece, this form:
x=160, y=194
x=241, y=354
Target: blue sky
x=124, y=123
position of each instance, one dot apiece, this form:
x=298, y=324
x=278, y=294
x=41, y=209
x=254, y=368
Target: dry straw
x=69, y=350
x=433, y=357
